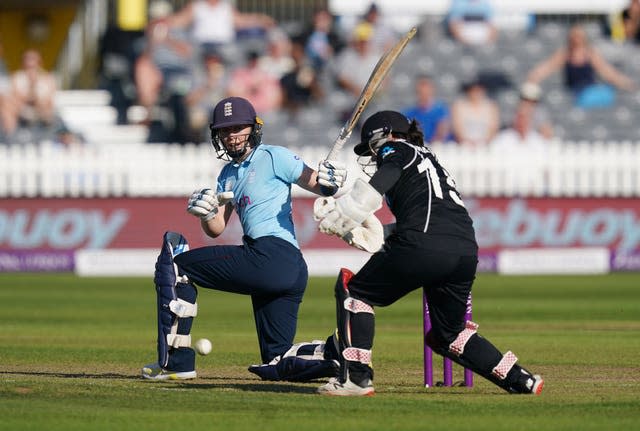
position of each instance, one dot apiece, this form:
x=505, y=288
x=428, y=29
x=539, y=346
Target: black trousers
x=400, y=269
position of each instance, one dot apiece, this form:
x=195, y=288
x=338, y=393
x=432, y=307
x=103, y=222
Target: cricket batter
x=432, y=245
x=268, y=267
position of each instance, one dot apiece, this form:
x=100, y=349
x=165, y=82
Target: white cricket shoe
x=346, y=389
x=156, y=372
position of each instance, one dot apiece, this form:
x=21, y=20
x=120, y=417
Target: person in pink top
x=256, y=85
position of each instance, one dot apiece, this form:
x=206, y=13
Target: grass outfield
x=71, y=349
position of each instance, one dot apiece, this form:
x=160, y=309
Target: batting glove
x=205, y=203
x=332, y=175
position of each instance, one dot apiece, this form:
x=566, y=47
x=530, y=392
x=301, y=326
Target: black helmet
x=235, y=111
x=378, y=126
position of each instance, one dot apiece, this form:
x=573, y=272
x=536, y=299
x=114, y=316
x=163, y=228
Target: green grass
x=71, y=349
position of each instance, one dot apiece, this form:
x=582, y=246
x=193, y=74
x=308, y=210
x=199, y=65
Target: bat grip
x=338, y=144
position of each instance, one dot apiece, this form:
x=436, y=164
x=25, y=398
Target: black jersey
x=423, y=198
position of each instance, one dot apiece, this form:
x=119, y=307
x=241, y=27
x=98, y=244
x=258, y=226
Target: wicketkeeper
x=431, y=245
x=268, y=267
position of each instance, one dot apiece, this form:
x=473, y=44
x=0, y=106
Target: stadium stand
x=596, y=152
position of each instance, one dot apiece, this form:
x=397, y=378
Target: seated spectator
x=214, y=24
x=431, y=113
x=524, y=148
x=209, y=86
x=383, y=36
x=354, y=65
x=118, y=50
x=530, y=95
x=582, y=64
x=322, y=41
x=6, y=113
x=277, y=61
x=521, y=135
x=631, y=21
x=475, y=117
x=255, y=85
x=301, y=85
x=471, y=22
x=31, y=99
x=163, y=74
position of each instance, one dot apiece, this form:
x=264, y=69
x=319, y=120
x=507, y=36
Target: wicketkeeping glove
x=331, y=175
x=368, y=236
x=205, y=203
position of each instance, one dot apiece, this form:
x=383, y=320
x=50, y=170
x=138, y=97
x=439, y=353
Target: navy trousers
x=269, y=269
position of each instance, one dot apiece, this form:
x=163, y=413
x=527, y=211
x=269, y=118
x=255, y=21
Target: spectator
x=214, y=24
x=581, y=63
x=6, y=114
x=119, y=49
x=31, y=100
x=163, y=75
x=383, y=36
x=322, y=42
x=355, y=64
x=471, y=22
x=432, y=114
x=525, y=149
x=475, y=117
x=256, y=85
x=210, y=85
x=521, y=134
x=278, y=60
x=540, y=120
x=631, y=21
x=301, y=85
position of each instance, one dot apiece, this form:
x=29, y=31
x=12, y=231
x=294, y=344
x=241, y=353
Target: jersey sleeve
x=286, y=165
x=391, y=159
x=220, y=181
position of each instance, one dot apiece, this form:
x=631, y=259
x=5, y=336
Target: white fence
x=567, y=169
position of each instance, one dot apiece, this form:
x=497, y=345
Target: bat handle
x=338, y=144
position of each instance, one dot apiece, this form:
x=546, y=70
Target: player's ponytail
x=415, y=135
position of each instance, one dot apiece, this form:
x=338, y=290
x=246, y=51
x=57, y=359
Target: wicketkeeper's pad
x=302, y=362
x=176, y=299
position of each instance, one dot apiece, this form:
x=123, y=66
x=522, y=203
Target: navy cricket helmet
x=235, y=111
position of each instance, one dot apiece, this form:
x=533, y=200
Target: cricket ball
x=203, y=346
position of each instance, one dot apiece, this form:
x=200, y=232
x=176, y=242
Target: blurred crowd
x=175, y=69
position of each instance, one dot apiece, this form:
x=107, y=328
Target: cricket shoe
x=538, y=383
x=157, y=373
x=346, y=389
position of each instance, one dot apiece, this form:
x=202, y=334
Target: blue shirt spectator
x=432, y=114
x=471, y=22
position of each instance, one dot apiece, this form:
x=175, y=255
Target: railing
x=566, y=169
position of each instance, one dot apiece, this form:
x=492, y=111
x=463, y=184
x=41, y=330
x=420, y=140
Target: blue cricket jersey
x=261, y=186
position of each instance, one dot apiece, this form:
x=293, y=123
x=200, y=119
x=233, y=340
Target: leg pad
x=356, y=306
x=504, y=366
x=354, y=354
x=457, y=347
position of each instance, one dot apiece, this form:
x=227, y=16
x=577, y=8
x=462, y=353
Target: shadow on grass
x=283, y=387
x=217, y=383
x=110, y=376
